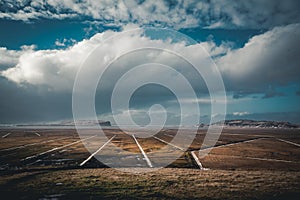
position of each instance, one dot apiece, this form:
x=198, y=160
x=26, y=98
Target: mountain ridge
x=256, y=123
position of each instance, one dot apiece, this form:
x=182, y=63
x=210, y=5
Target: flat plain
x=245, y=163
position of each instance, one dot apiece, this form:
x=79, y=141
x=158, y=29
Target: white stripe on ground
x=289, y=142
x=32, y=144
x=4, y=136
x=196, y=159
x=243, y=134
x=56, y=148
x=273, y=160
x=255, y=158
x=163, y=141
x=37, y=134
x=91, y=156
x=226, y=145
x=168, y=135
x=144, y=154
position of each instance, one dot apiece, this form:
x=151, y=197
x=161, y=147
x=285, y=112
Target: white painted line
x=243, y=134
x=289, y=142
x=4, y=136
x=57, y=148
x=163, y=141
x=3, y=167
x=144, y=154
x=231, y=144
x=197, y=160
x=168, y=135
x=255, y=158
x=32, y=144
x=37, y=134
x=272, y=160
x=91, y=156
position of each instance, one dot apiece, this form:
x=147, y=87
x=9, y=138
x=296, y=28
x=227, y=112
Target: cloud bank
x=176, y=13
x=265, y=61
x=31, y=76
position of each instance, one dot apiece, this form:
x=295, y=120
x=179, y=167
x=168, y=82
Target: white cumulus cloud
x=271, y=58
x=177, y=14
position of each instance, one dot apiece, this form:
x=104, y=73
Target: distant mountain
x=256, y=124
x=72, y=123
x=86, y=123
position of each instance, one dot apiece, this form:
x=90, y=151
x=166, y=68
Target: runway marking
x=230, y=144
x=255, y=158
x=289, y=142
x=3, y=167
x=163, y=141
x=37, y=134
x=197, y=160
x=168, y=135
x=244, y=134
x=56, y=148
x=144, y=154
x=224, y=145
x=92, y=155
x=272, y=160
x=32, y=144
x=4, y=136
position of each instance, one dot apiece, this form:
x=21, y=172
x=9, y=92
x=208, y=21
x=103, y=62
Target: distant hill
x=71, y=123
x=256, y=124
x=86, y=123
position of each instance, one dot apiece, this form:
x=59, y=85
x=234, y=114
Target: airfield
x=245, y=163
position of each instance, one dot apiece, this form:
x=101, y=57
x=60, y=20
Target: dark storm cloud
x=29, y=103
x=265, y=62
x=270, y=94
x=176, y=13
x=41, y=81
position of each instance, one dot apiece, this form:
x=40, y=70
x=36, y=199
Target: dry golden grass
x=232, y=175
x=168, y=183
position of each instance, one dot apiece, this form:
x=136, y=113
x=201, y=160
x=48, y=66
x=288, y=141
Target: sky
x=255, y=46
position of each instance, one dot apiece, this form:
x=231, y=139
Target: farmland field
x=246, y=163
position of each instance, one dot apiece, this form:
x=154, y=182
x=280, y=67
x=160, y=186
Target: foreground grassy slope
x=166, y=183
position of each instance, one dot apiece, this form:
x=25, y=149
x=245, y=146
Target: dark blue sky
x=43, y=33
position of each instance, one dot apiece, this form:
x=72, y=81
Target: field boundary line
x=37, y=134
x=231, y=144
x=4, y=136
x=167, y=134
x=32, y=144
x=255, y=158
x=93, y=154
x=56, y=148
x=196, y=159
x=144, y=154
x=289, y=142
x=168, y=143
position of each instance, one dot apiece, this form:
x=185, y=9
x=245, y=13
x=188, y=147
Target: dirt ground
x=244, y=164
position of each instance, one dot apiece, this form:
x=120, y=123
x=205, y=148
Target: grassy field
x=244, y=164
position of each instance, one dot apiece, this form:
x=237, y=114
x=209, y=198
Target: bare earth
x=244, y=164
